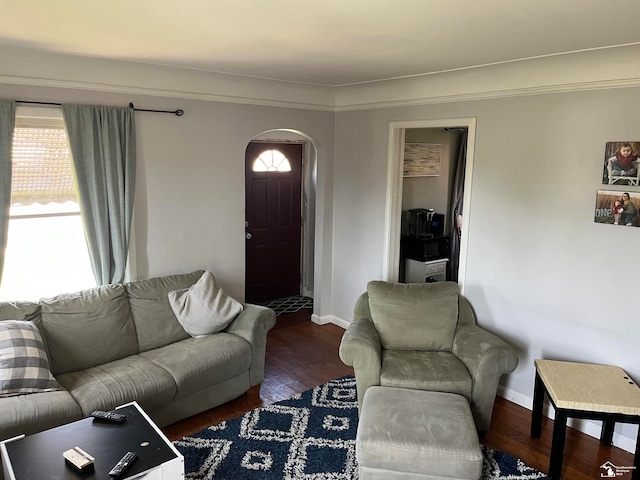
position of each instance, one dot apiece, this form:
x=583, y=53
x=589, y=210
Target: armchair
x=425, y=337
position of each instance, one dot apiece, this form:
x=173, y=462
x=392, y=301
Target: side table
x=588, y=391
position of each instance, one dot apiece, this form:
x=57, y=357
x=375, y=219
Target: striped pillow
x=24, y=367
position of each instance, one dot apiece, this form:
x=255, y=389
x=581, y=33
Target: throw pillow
x=204, y=308
x=24, y=367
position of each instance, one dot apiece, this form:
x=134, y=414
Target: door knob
x=249, y=236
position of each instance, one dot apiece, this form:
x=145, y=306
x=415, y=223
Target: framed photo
x=617, y=208
x=621, y=163
x=422, y=159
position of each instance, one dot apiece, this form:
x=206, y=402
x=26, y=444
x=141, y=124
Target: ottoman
x=415, y=434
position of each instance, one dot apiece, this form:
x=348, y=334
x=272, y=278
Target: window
x=46, y=249
x=271, y=161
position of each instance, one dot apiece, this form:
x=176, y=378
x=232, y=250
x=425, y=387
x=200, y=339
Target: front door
x=273, y=178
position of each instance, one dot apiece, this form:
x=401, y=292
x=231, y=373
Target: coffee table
x=583, y=390
x=39, y=456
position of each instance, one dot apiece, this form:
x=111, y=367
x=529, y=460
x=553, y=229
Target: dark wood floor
x=301, y=355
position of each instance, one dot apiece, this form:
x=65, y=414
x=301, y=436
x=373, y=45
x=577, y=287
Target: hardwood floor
x=301, y=355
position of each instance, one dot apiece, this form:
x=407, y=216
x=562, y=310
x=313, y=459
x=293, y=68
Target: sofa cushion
x=122, y=381
x=36, y=412
x=433, y=371
x=23, y=311
x=156, y=324
x=88, y=328
x=19, y=311
x=204, y=308
x=197, y=363
x=24, y=367
x=417, y=316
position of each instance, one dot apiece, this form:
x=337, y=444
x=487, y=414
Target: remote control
x=109, y=416
x=124, y=463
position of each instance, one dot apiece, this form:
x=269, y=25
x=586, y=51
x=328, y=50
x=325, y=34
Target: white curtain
x=7, y=124
x=103, y=151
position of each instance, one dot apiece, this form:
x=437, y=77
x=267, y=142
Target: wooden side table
x=582, y=390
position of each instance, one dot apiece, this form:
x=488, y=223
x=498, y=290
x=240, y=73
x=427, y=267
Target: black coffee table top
x=39, y=456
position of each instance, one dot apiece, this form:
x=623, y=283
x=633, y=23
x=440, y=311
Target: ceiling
x=321, y=42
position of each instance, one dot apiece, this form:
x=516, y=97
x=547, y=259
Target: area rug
x=289, y=304
x=310, y=436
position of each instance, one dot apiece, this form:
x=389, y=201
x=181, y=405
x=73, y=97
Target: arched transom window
x=271, y=161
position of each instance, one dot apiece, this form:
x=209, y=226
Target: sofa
x=114, y=344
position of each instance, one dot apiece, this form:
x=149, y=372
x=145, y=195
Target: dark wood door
x=273, y=220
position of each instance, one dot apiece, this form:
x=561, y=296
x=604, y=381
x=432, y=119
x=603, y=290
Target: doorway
x=397, y=131
x=430, y=251
x=273, y=189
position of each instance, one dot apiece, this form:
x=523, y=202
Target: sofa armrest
x=360, y=348
x=253, y=324
x=487, y=357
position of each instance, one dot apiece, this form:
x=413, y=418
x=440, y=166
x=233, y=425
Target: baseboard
x=329, y=319
x=587, y=427
x=317, y=319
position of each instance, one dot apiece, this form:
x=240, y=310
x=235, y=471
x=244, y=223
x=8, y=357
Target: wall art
x=617, y=208
x=422, y=159
x=621, y=164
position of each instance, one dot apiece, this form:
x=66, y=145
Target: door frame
x=393, y=203
x=314, y=258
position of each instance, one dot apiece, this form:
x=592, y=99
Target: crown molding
x=24, y=66
x=582, y=71
x=179, y=94
x=468, y=97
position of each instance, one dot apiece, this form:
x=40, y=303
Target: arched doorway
x=313, y=213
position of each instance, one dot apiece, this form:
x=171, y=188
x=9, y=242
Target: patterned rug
x=289, y=304
x=310, y=436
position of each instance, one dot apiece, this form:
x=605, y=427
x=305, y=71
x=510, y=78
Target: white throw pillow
x=204, y=308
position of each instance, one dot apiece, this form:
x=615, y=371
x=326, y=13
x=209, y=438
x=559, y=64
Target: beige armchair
x=425, y=337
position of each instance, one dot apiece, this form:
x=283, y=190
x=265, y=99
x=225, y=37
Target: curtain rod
x=178, y=112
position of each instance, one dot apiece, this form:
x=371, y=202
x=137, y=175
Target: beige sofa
x=118, y=343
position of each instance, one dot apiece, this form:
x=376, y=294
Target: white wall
x=540, y=272
x=189, y=201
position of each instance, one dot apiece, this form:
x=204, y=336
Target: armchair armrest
x=480, y=349
x=253, y=324
x=360, y=348
x=487, y=358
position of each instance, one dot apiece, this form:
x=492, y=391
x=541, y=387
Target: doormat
x=289, y=304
